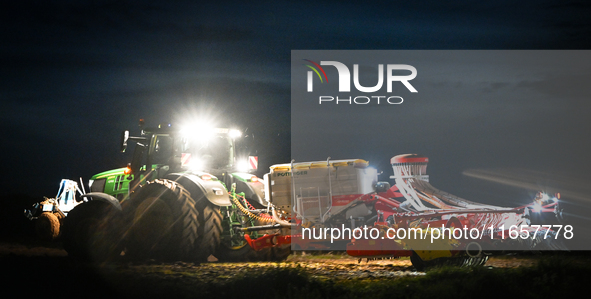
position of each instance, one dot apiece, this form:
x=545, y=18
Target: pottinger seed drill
x=341, y=204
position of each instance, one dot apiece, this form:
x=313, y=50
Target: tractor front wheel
x=47, y=226
x=92, y=231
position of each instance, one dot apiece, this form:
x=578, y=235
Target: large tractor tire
x=47, y=226
x=93, y=232
x=210, y=229
x=164, y=223
x=209, y=218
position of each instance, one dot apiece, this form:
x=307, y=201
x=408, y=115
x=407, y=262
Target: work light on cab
x=233, y=133
x=198, y=131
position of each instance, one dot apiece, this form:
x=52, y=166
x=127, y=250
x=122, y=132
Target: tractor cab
x=218, y=153
x=213, y=151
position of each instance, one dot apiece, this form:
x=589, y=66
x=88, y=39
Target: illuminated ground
x=46, y=266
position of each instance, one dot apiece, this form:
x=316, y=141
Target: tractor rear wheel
x=163, y=222
x=92, y=231
x=210, y=229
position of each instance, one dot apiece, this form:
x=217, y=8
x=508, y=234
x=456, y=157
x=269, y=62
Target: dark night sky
x=75, y=74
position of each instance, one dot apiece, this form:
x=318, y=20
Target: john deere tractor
x=182, y=197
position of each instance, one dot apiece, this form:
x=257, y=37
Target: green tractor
x=186, y=195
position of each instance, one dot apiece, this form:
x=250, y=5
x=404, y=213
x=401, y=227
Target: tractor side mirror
x=124, y=138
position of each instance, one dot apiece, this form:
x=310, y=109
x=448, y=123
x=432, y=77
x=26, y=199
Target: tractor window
x=215, y=152
x=162, y=150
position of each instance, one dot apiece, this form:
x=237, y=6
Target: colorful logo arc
x=316, y=71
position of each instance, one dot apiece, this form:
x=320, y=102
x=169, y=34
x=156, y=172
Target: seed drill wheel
x=460, y=261
x=92, y=231
x=163, y=222
x=418, y=262
x=47, y=226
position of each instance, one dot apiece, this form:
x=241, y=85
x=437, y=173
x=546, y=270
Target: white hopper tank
x=317, y=196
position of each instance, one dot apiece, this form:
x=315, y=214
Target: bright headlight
x=198, y=130
x=545, y=197
x=242, y=166
x=195, y=164
x=234, y=133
